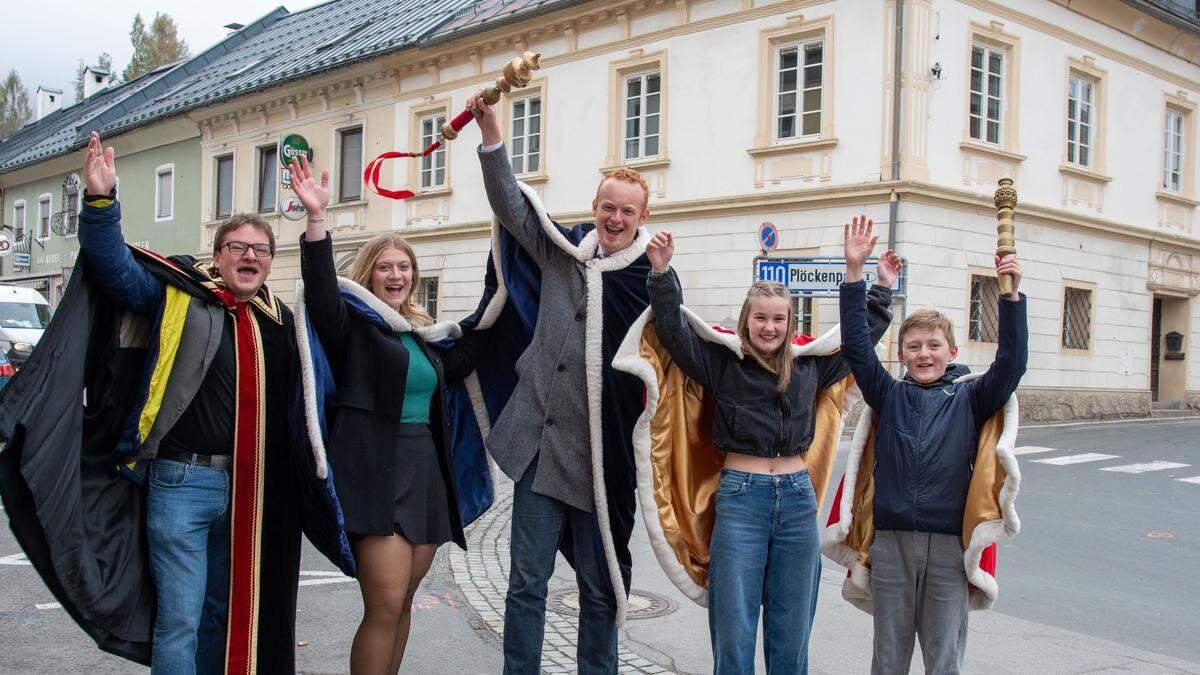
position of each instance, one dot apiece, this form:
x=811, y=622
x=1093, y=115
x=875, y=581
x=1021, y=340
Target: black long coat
x=370, y=368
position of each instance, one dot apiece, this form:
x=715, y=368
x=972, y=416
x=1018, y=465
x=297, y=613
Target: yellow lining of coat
x=170, y=332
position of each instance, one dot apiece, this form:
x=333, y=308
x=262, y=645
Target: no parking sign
x=768, y=237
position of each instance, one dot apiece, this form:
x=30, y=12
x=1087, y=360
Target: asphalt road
x=1106, y=554
x=1109, y=553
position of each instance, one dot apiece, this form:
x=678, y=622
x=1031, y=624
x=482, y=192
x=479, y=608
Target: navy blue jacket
x=926, y=436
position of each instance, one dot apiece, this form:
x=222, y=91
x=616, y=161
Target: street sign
x=812, y=277
x=6, y=247
x=293, y=145
x=20, y=260
x=768, y=237
x=291, y=208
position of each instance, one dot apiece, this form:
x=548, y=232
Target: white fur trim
x=496, y=304
x=857, y=587
x=308, y=381
x=585, y=253
x=629, y=359
x=394, y=320
x=479, y=407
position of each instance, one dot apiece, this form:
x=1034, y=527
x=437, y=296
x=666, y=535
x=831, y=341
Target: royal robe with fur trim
x=678, y=467
x=616, y=296
x=66, y=468
x=990, y=515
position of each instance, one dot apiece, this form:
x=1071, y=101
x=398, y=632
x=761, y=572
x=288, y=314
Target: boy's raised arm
x=1000, y=381
x=858, y=349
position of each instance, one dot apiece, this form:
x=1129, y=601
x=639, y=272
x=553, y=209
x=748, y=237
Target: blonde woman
x=765, y=548
x=386, y=437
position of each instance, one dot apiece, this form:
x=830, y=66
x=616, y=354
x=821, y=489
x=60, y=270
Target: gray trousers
x=919, y=589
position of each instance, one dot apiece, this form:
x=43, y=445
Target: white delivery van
x=24, y=315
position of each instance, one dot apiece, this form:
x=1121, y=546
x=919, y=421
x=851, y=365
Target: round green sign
x=293, y=145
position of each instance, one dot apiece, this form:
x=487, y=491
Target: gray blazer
x=547, y=416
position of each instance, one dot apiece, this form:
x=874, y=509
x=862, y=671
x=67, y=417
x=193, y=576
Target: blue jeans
x=765, y=552
x=537, y=526
x=187, y=523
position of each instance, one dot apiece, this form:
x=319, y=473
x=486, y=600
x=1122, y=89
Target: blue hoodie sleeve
x=858, y=345
x=993, y=389
x=113, y=266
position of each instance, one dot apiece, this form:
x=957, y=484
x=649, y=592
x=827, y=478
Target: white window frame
x=258, y=184
x=1077, y=125
x=427, y=165
x=984, y=95
x=1174, y=136
x=47, y=199
x=22, y=231
x=158, y=172
x=216, y=182
x=338, y=132
x=799, y=111
x=642, y=116
x=523, y=156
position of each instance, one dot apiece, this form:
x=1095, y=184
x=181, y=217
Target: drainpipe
x=894, y=205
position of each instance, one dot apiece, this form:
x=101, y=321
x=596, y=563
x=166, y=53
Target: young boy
x=925, y=445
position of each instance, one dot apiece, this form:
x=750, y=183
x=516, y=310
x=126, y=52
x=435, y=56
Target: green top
x=419, y=385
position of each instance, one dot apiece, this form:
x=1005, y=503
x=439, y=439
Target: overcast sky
x=44, y=39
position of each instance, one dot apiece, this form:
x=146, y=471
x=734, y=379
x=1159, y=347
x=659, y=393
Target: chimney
x=48, y=100
x=95, y=78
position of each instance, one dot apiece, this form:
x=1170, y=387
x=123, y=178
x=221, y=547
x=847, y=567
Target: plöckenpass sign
x=811, y=276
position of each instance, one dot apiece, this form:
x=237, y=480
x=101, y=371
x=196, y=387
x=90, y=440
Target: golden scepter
x=1006, y=200
x=517, y=74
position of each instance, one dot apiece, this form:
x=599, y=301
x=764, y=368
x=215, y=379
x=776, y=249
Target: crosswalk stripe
x=1076, y=459
x=1193, y=479
x=1031, y=449
x=1156, y=465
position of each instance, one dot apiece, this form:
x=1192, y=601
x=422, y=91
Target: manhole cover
x=1159, y=535
x=642, y=604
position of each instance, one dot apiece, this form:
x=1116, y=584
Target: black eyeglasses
x=239, y=248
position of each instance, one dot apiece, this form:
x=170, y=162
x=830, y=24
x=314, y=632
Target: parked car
x=24, y=315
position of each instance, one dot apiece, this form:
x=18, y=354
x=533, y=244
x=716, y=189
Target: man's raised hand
x=99, y=167
x=485, y=114
x=660, y=250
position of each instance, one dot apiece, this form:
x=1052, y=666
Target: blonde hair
x=931, y=319
x=364, y=264
x=780, y=362
x=627, y=175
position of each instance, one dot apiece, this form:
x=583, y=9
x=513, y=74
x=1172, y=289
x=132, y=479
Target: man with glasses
x=188, y=387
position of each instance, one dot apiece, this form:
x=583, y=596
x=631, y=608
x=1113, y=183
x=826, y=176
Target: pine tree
x=157, y=46
x=14, y=104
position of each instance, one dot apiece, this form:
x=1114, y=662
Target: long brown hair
x=779, y=362
x=364, y=264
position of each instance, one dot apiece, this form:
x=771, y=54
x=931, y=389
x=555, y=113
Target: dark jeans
x=765, y=555
x=537, y=526
x=187, y=523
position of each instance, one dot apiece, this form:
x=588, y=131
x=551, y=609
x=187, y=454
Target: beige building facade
x=740, y=112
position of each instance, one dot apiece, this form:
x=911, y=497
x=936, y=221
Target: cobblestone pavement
x=481, y=574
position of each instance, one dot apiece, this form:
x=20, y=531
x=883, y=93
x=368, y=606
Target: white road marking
x=1156, y=465
x=49, y=605
x=1193, y=479
x=1031, y=449
x=15, y=559
x=323, y=578
x=1076, y=459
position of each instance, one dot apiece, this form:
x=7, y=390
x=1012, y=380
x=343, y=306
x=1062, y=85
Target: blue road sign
x=812, y=277
x=768, y=236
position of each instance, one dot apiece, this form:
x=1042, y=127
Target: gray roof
x=278, y=48
x=487, y=14
x=328, y=36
